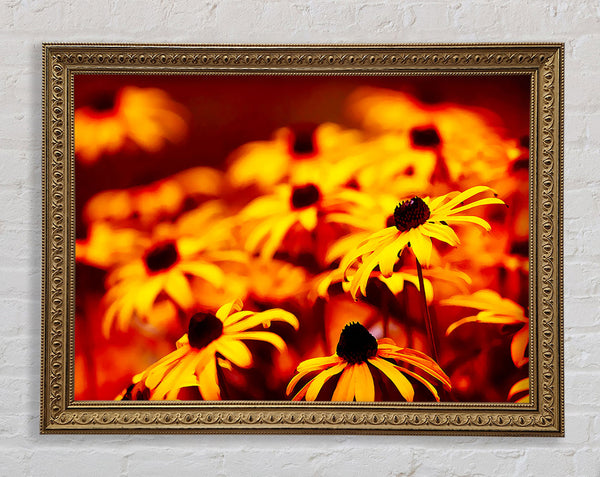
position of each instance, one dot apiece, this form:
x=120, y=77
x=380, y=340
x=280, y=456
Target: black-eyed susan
x=299, y=153
x=495, y=310
x=262, y=281
x=212, y=341
x=107, y=245
x=160, y=200
x=469, y=142
x=162, y=267
x=395, y=166
x=359, y=361
x=304, y=209
x=143, y=205
x=144, y=117
x=416, y=222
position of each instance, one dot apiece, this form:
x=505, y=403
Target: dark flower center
x=303, y=141
x=304, y=196
x=353, y=184
x=524, y=142
x=161, y=257
x=521, y=164
x=356, y=344
x=204, y=328
x=427, y=137
x=410, y=214
x=104, y=102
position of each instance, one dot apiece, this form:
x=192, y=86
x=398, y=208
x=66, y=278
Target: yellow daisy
x=145, y=117
x=145, y=205
x=160, y=200
x=416, y=222
x=360, y=358
x=212, y=341
x=293, y=153
x=268, y=219
x=107, y=245
x=495, y=310
x=470, y=143
x=162, y=267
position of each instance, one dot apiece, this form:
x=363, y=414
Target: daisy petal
x=477, y=203
x=171, y=381
x=344, y=391
x=208, y=382
x=519, y=387
x=461, y=198
x=319, y=381
x=402, y=384
x=178, y=288
x=364, y=388
x=420, y=245
x=318, y=363
x=266, y=336
x=235, y=317
x=276, y=236
x=207, y=271
x=441, y=232
x=235, y=351
x=264, y=318
x=389, y=256
x=469, y=219
x=229, y=308
x=518, y=346
x=422, y=380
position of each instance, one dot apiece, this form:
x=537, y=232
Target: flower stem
x=427, y=316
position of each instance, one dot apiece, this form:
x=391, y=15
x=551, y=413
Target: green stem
x=428, y=323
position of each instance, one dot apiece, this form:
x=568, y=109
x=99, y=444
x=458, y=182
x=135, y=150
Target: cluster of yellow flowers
x=358, y=251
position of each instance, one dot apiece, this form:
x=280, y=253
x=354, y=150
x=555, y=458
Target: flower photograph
x=302, y=237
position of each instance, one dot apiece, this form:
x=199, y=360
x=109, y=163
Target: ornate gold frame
x=544, y=415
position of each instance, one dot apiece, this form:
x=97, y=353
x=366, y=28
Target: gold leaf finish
x=545, y=413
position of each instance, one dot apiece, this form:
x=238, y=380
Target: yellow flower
x=468, y=140
x=417, y=221
x=211, y=341
x=395, y=166
x=161, y=267
x=268, y=219
x=106, y=245
x=146, y=117
x=495, y=310
x=144, y=204
x=293, y=154
x=149, y=203
x=359, y=358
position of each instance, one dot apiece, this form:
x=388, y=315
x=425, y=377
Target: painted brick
x=90, y=462
x=27, y=23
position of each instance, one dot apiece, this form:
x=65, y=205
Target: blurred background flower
x=129, y=117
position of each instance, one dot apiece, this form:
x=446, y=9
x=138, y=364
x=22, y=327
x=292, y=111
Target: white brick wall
x=25, y=24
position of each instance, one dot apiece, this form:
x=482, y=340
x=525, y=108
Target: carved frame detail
x=543, y=416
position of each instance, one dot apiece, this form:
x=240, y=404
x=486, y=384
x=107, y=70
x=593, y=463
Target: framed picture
x=302, y=239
